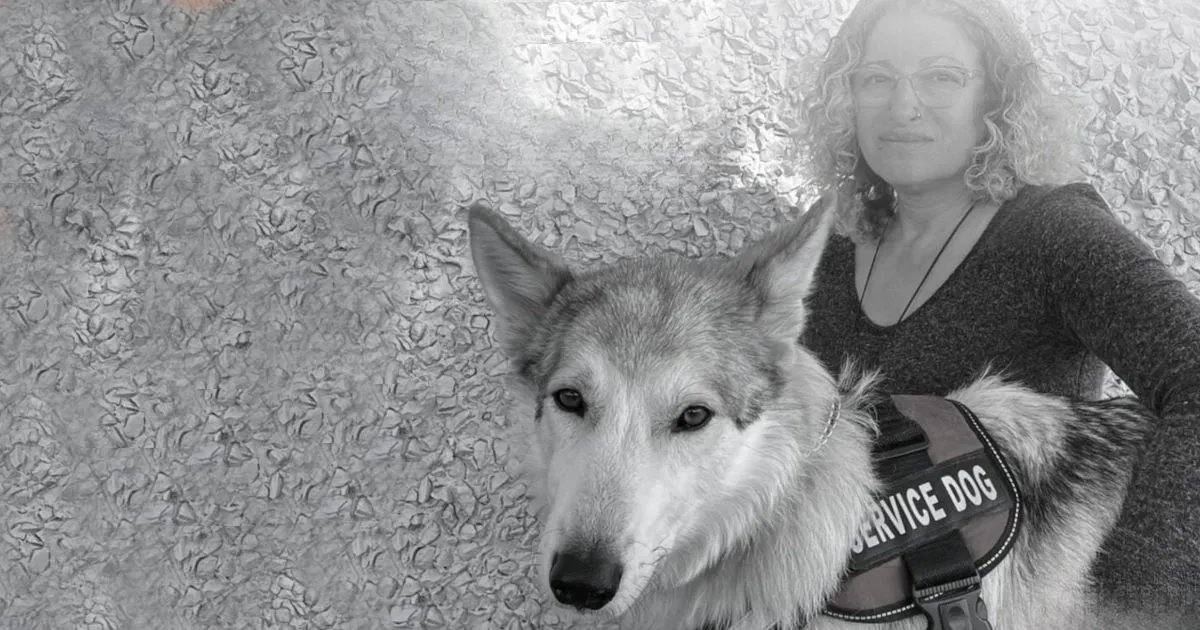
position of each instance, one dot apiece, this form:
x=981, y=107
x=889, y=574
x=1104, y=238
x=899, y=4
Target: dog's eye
x=693, y=418
x=570, y=401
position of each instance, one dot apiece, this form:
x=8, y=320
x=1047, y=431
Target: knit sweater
x=1055, y=290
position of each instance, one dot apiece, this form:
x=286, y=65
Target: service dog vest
x=949, y=512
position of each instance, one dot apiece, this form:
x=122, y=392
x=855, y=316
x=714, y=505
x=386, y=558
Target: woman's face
x=911, y=143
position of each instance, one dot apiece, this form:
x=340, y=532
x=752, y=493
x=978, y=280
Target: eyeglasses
x=937, y=86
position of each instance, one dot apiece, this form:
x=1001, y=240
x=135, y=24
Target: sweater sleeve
x=1118, y=300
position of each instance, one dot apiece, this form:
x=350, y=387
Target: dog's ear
x=782, y=267
x=518, y=277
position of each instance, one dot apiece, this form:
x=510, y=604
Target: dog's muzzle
x=585, y=578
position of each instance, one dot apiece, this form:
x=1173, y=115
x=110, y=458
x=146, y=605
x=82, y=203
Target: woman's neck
x=925, y=213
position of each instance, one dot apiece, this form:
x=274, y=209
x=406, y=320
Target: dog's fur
x=748, y=521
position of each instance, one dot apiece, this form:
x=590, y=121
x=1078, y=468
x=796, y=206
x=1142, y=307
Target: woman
x=962, y=248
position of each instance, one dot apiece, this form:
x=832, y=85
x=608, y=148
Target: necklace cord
x=933, y=264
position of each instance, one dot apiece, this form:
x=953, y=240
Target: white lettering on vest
x=970, y=488
x=913, y=497
x=919, y=507
x=881, y=528
x=956, y=493
x=989, y=489
x=893, y=513
x=931, y=501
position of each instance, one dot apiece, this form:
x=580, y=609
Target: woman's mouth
x=904, y=136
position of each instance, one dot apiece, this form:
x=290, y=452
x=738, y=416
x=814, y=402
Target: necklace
x=933, y=264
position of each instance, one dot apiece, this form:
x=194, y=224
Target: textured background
x=247, y=380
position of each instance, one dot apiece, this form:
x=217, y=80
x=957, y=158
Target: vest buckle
x=957, y=605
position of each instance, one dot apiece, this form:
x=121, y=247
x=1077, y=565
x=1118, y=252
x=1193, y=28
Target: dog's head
x=667, y=408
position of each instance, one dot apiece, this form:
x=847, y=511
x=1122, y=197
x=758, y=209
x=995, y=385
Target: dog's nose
x=585, y=578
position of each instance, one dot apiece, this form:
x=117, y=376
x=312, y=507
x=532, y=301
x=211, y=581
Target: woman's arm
x=1120, y=301
x=1123, y=304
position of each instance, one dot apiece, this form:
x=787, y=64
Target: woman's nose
x=904, y=101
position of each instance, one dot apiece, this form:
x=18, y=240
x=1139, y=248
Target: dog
x=702, y=469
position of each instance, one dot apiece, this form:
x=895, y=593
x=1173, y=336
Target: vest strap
x=942, y=573
x=946, y=585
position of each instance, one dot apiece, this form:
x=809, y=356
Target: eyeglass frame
x=969, y=75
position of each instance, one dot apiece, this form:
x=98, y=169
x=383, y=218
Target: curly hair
x=1029, y=128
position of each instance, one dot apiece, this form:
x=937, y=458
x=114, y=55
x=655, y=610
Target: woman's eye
x=947, y=76
x=693, y=418
x=570, y=401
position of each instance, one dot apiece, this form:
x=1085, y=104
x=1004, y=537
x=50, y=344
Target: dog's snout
x=585, y=578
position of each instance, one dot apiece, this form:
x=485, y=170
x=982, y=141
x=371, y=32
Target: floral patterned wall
x=248, y=379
